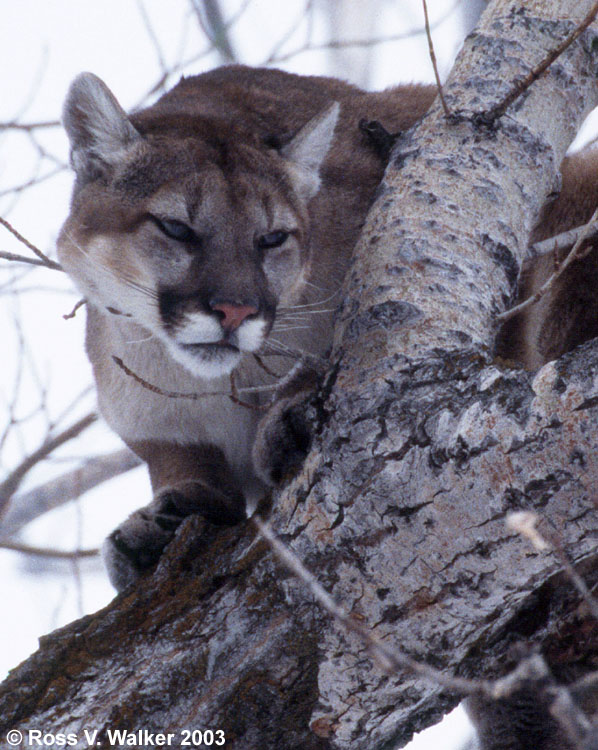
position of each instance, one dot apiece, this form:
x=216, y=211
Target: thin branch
x=30, y=183
x=553, y=277
x=309, y=47
x=233, y=395
x=571, y=718
x=214, y=27
x=16, y=476
x=522, y=86
x=160, y=391
x=30, y=261
x=265, y=367
x=304, y=13
x=29, y=505
x=447, y=111
x=28, y=126
x=46, y=552
x=525, y=523
x=73, y=312
x=46, y=261
x=390, y=660
x=564, y=239
x=152, y=35
x=160, y=84
x=531, y=675
x=12, y=421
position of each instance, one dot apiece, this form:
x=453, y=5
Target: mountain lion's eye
x=176, y=230
x=272, y=239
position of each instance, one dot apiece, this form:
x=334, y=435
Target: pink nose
x=234, y=315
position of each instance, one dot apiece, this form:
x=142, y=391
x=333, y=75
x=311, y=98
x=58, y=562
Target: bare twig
x=304, y=13
x=152, y=35
x=160, y=84
x=214, y=27
x=525, y=523
x=29, y=126
x=15, y=189
x=564, y=240
x=521, y=86
x=161, y=391
x=570, y=718
x=388, y=659
x=233, y=395
x=44, y=258
x=553, y=277
x=73, y=312
x=531, y=675
x=29, y=505
x=14, y=479
x=12, y=420
x=265, y=367
x=310, y=47
x=447, y=111
x=46, y=552
x=31, y=261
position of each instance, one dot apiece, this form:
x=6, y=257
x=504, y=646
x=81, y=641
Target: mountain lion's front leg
x=285, y=433
x=185, y=480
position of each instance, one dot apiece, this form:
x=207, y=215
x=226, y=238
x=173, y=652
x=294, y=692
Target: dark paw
x=137, y=544
x=284, y=437
x=222, y=508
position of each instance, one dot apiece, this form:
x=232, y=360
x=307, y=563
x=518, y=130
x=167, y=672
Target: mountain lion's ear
x=97, y=126
x=307, y=150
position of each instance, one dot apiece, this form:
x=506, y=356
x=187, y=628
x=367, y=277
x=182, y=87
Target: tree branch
x=45, y=261
x=30, y=505
x=16, y=476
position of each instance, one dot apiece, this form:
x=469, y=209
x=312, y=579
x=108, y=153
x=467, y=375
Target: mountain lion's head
x=191, y=226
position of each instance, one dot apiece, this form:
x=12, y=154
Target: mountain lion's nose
x=233, y=315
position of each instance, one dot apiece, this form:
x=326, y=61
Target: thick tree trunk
x=424, y=445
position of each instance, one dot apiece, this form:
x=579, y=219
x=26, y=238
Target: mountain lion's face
x=196, y=236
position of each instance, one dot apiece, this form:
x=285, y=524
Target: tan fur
x=219, y=223
x=229, y=161
x=567, y=315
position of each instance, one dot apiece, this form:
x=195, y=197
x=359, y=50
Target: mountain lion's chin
x=206, y=361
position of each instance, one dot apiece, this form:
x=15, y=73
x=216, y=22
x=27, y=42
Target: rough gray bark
x=423, y=446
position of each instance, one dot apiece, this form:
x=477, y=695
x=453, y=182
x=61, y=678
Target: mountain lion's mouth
x=214, y=346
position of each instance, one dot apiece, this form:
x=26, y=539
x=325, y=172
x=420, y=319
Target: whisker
x=312, y=304
x=319, y=288
x=140, y=341
x=304, y=314
x=125, y=277
x=312, y=360
x=130, y=281
x=285, y=329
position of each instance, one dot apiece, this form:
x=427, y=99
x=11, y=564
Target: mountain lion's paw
x=137, y=544
x=284, y=437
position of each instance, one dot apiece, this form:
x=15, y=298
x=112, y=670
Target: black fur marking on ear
x=378, y=137
x=277, y=141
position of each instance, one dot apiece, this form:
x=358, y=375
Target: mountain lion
x=210, y=234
